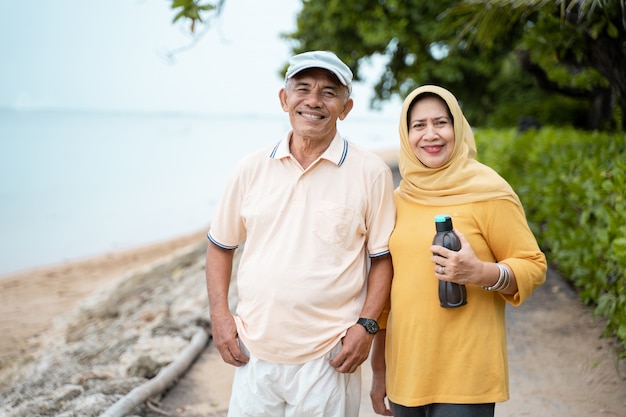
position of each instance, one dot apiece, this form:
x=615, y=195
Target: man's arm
x=378, y=286
x=357, y=341
x=219, y=266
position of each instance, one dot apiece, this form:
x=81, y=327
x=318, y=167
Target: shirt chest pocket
x=332, y=223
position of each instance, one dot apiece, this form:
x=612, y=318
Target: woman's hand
x=462, y=267
x=378, y=393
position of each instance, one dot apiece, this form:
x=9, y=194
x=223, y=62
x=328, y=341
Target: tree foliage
x=576, y=211
x=561, y=62
x=196, y=11
x=557, y=61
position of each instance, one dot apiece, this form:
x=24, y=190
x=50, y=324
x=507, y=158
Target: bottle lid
x=443, y=223
x=442, y=218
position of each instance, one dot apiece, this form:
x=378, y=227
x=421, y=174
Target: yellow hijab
x=462, y=179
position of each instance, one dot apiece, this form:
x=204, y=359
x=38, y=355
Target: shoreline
x=141, y=250
x=30, y=300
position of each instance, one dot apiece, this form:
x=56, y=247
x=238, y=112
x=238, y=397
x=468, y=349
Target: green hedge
x=573, y=187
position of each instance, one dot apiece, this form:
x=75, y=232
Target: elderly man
x=315, y=212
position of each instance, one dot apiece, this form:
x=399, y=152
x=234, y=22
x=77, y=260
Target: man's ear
x=346, y=108
x=282, y=96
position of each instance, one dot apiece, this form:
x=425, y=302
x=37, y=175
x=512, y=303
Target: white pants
x=312, y=389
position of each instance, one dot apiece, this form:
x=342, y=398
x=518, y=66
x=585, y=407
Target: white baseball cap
x=320, y=59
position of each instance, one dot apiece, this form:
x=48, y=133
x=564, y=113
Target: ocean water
x=78, y=184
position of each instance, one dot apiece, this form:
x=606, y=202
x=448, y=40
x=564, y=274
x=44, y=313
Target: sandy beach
x=30, y=300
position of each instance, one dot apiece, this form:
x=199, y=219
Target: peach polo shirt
x=302, y=277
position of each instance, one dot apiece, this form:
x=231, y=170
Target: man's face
x=315, y=99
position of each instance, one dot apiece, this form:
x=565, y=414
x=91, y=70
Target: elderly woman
x=433, y=361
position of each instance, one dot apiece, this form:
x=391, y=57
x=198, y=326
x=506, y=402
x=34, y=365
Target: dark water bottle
x=451, y=294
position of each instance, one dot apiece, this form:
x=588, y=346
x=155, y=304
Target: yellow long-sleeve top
x=454, y=355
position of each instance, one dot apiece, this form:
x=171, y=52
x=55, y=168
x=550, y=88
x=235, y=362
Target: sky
x=112, y=55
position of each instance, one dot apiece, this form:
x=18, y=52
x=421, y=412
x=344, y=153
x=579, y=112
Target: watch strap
x=371, y=326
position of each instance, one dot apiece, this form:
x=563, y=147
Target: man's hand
x=219, y=266
x=355, y=348
x=225, y=339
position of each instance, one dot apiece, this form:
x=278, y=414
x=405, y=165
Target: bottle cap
x=442, y=218
x=443, y=223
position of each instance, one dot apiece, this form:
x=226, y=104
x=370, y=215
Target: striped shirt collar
x=336, y=152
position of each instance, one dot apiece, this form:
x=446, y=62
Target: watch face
x=370, y=325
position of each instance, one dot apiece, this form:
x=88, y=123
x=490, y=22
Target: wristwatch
x=370, y=325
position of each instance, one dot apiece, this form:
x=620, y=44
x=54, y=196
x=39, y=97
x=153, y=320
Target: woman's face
x=431, y=132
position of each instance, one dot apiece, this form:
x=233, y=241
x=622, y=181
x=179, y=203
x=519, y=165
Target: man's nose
x=314, y=99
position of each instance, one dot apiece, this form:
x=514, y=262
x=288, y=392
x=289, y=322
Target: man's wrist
x=371, y=326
